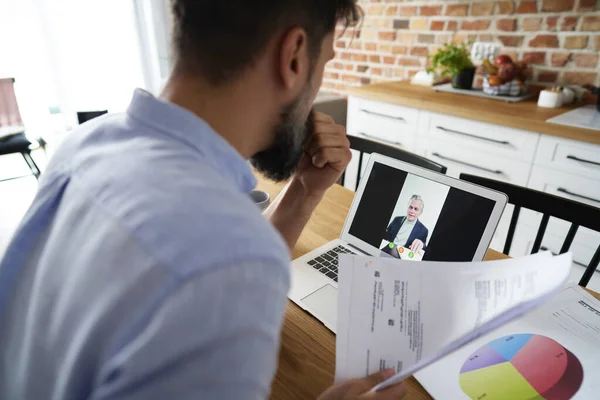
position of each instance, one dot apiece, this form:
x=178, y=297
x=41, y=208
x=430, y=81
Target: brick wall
x=560, y=39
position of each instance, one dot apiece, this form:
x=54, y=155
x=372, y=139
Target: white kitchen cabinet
x=571, y=186
x=571, y=156
x=477, y=148
x=479, y=136
x=386, y=123
x=459, y=158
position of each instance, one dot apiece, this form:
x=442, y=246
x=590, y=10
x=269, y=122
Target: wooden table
x=307, y=357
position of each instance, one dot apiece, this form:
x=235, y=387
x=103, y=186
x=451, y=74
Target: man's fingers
x=366, y=384
x=320, y=117
x=327, y=140
x=337, y=158
x=328, y=129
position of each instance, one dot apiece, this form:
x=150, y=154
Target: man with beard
x=142, y=270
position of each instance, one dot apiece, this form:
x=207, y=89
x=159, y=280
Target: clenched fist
x=326, y=156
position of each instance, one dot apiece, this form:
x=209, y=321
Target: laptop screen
x=414, y=218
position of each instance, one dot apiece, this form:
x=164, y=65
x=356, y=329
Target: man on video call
x=407, y=231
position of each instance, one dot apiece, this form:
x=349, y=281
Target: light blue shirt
x=142, y=269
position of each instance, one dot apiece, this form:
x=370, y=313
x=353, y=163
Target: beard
x=280, y=161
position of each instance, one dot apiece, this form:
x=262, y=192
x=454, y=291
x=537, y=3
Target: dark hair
x=221, y=38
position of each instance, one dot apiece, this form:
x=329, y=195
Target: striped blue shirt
x=142, y=269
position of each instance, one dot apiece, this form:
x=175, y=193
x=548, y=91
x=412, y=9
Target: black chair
x=10, y=119
x=578, y=214
x=369, y=146
x=85, y=116
x=20, y=144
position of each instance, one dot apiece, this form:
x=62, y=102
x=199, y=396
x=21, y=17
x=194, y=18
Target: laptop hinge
x=357, y=249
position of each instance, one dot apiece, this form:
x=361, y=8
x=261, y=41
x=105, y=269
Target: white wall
x=434, y=195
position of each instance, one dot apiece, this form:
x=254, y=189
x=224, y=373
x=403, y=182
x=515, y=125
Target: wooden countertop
x=525, y=115
x=307, y=355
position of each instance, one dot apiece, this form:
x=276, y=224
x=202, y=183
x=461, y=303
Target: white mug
x=260, y=198
x=550, y=99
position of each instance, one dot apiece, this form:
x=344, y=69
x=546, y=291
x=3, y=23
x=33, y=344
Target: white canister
x=568, y=95
x=550, y=99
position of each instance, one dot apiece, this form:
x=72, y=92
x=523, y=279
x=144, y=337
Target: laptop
x=401, y=211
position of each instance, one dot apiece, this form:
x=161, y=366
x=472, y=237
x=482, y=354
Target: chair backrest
x=9, y=109
x=85, y=116
x=578, y=214
x=366, y=146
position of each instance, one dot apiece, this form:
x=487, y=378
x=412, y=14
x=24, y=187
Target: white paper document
x=550, y=353
x=403, y=315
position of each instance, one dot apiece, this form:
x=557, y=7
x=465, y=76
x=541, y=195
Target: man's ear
x=294, y=60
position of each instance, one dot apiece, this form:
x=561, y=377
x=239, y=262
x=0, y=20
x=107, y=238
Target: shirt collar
x=184, y=125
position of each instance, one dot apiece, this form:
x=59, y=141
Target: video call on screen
x=399, y=211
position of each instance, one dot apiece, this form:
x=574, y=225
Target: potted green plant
x=454, y=61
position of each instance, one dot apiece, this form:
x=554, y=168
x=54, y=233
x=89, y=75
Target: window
x=72, y=55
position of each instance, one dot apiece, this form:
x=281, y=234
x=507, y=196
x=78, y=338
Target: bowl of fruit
x=503, y=77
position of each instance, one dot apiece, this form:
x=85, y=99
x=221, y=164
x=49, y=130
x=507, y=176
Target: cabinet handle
x=562, y=190
x=380, y=140
x=497, y=171
x=382, y=115
x=502, y=142
x=570, y=157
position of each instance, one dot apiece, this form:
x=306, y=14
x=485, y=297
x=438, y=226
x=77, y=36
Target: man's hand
x=416, y=246
x=360, y=389
x=325, y=158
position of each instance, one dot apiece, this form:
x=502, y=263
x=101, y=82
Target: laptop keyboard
x=327, y=263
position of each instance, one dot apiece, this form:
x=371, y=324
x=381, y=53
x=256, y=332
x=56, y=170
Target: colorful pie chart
x=521, y=367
